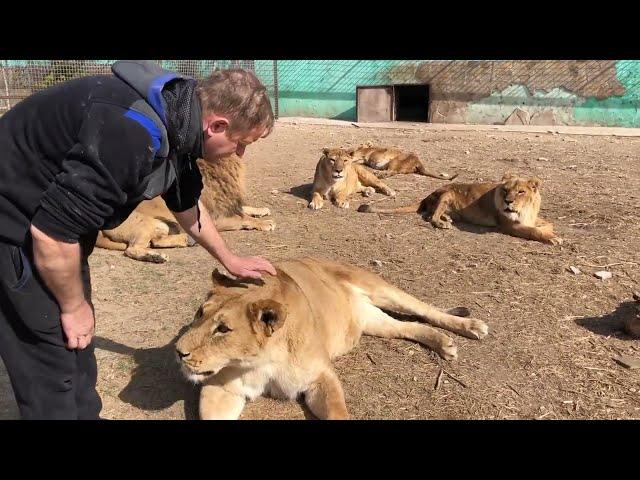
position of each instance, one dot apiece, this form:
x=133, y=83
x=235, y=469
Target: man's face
x=218, y=142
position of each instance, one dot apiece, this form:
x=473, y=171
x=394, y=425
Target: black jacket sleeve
x=112, y=154
x=190, y=189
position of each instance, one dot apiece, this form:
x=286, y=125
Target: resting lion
x=392, y=161
x=512, y=205
x=338, y=177
x=152, y=223
x=279, y=335
x=632, y=323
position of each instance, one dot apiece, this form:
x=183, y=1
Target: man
x=78, y=157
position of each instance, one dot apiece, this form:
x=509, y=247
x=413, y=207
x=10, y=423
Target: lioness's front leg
x=342, y=199
x=368, y=179
x=244, y=222
x=325, y=397
x=218, y=404
x=256, y=211
x=317, y=200
x=544, y=235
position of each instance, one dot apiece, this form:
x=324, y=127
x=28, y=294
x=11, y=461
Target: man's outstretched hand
x=248, y=267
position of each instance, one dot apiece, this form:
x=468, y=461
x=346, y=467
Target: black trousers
x=49, y=381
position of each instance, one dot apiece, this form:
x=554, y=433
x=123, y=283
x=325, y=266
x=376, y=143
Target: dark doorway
x=411, y=103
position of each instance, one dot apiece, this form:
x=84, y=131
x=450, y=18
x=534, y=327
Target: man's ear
x=214, y=124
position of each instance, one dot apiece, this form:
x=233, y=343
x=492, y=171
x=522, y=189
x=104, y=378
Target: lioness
x=512, y=205
x=632, y=323
x=337, y=177
x=152, y=223
x=279, y=336
x=392, y=161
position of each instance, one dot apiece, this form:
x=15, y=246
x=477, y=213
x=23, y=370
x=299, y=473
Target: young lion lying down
x=278, y=337
x=512, y=205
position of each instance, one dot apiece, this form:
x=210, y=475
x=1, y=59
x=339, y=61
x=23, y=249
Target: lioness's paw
x=267, y=225
x=556, y=241
x=448, y=350
x=154, y=257
x=367, y=192
x=340, y=204
x=477, y=329
x=315, y=205
x=441, y=224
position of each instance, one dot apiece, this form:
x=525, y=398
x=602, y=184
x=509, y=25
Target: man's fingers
x=83, y=342
x=270, y=269
x=251, y=274
x=72, y=343
x=264, y=265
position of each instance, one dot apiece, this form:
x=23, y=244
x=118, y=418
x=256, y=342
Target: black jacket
x=81, y=155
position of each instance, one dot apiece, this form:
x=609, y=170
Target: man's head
x=236, y=111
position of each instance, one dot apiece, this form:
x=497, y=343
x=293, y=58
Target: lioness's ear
x=350, y=152
x=534, y=183
x=266, y=316
x=219, y=278
x=508, y=176
x=325, y=151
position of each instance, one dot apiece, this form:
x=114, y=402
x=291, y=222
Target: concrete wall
x=477, y=92
x=481, y=92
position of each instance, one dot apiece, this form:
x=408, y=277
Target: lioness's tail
x=421, y=170
x=414, y=208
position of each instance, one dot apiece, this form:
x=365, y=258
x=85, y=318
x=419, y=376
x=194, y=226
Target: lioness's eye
x=222, y=328
x=521, y=192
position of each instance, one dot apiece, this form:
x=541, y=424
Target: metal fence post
x=275, y=88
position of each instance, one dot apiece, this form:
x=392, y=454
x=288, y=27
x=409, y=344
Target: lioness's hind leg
x=440, y=217
x=219, y=404
x=103, y=242
x=378, y=323
x=325, y=397
x=144, y=254
x=173, y=241
x=368, y=179
x=385, y=295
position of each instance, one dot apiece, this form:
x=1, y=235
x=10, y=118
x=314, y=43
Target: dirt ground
x=552, y=333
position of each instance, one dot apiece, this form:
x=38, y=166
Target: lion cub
x=391, y=161
x=338, y=177
x=278, y=336
x=512, y=205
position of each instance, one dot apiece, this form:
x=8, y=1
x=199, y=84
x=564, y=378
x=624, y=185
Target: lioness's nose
x=182, y=354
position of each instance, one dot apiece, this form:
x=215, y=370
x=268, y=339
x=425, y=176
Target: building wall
x=477, y=92
x=481, y=92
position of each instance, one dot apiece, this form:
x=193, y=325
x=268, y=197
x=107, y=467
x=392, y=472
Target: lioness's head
x=231, y=328
x=516, y=195
x=336, y=160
